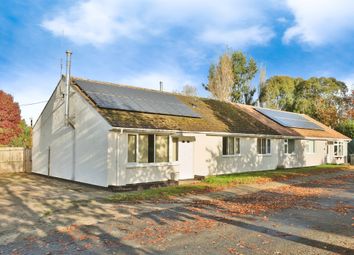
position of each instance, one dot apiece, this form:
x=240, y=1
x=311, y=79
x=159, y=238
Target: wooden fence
x=15, y=160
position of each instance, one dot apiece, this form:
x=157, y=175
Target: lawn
x=213, y=183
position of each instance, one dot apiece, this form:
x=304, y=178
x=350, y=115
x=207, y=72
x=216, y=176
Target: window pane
x=291, y=146
x=341, y=149
x=174, y=149
x=151, y=148
x=237, y=145
x=268, y=146
x=335, y=149
x=131, y=148
x=231, y=146
x=143, y=148
x=161, y=148
x=286, y=146
x=224, y=145
x=313, y=146
x=259, y=146
x=264, y=146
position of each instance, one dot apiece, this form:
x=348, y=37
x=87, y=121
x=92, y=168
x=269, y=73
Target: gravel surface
x=310, y=215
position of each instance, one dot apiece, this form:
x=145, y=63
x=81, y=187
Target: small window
x=338, y=149
x=289, y=146
x=174, y=149
x=263, y=146
x=131, y=148
x=310, y=147
x=230, y=145
x=161, y=150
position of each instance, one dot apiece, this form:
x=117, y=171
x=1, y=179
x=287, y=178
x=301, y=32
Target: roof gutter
x=165, y=131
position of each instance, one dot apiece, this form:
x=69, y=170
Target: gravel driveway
x=311, y=215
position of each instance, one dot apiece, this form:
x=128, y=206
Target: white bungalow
x=112, y=135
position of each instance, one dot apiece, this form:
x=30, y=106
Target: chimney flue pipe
x=67, y=90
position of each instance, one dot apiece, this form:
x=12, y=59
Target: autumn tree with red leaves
x=10, y=118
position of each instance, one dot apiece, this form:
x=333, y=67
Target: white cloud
x=94, y=22
x=98, y=22
x=318, y=22
x=239, y=38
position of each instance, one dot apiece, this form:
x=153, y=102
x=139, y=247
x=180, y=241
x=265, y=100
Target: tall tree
x=262, y=82
x=9, y=118
x=243, y=71
x=321, y=98
x=278, y=92
x=230, y=79
x=189, y=90
x=220, y=79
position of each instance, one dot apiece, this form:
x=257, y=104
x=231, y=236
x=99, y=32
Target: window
x=148, y=148
x=338, y=149
x=289, y=146
x=161, y=150
x=230, y=145
x=310, y=147
x=131, y=148
x=174, y=149
x=263, y=146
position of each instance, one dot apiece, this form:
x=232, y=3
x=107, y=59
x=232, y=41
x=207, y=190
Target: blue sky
x=144, y=41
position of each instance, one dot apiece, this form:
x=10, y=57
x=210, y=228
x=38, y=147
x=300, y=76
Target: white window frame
x=307, y=147
x=339, y=145
x=268, y=153
x=286, y=147
x=235, y=138
x=138, y=164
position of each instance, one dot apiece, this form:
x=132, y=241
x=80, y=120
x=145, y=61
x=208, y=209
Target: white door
x=329, y=154
x=185, y=153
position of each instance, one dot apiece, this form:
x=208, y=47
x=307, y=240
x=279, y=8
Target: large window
x=263, y=146
x=310, y=146
x=230, y=145
x=289, y=146
x=148, y=148
x=338, y=149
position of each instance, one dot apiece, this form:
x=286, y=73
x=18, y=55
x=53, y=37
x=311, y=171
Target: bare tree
x=221, y=78
x=189, y=90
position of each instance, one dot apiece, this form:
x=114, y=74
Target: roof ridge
x=125, y=85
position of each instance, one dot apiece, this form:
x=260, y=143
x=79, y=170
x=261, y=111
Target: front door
x=186, y=156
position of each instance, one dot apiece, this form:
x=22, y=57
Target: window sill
x=264, y=155
x=290, y=154
x=137, y=165
x=231, y=156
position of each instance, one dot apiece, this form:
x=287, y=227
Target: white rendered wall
x=210, y=161
x=78, y=154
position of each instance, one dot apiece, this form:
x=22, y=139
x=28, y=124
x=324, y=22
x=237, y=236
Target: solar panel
x=135, y=99
x=289, y=119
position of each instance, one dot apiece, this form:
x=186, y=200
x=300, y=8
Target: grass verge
x=270, y=175
x=213, y=183
x=160, y=193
